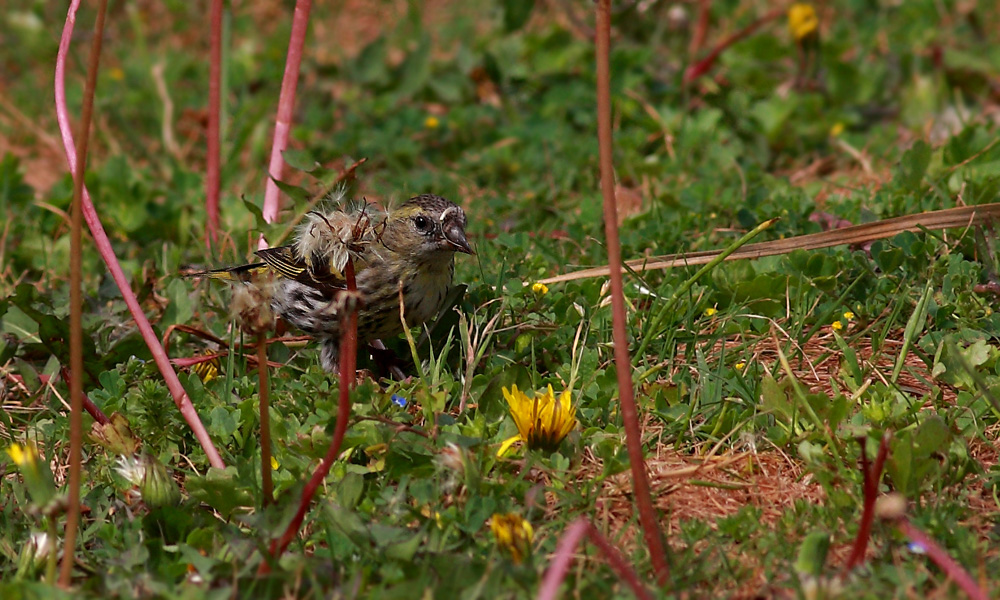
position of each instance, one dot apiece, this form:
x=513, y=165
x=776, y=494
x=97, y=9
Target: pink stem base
x=107, y=253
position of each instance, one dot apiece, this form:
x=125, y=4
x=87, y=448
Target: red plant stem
x=871, y=474
x=946, y=563
x=563, y=557
x=705, y=65
x=348, y=375
x=88, y=404
x=700, y=28
x=76, y=305
x=212, y=166
x=623, y=365
x=286, y=104
x=267, y=487
x=108, y=254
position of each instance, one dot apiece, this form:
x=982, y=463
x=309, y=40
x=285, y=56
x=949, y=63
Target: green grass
x=709, y=163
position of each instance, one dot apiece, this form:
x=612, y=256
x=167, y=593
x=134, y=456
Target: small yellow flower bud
x=540, y=288
x=802, y=20
x=849, y=316
x=514, y=534
x=432, y=122
x=710, y=311
x=739, y=366
x=837, y=325
x=837, y=129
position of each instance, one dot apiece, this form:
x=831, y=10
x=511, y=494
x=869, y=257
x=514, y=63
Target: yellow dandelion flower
x=21, y=455
x=802, y=20
x=432, y=122
x=837, y=325
x=514, y=534
x=540, y=288
x=740, y=366
x=435, y=515
x=837, y=129
x=710, y=311
x=209, y=369
x=849, y=316
x=36, y=473
x=542, y=422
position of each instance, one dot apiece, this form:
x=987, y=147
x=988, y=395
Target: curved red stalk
x=871, y=475
x=212, y=159
x=563, y=556
x=700, y=28
x=623, y=365
x=286, y=105
x=88, y=404
x=705, y=65
x=108, y=254
x=348, y=375
x=947, y=564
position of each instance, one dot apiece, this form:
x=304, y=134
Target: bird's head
x=427, y=226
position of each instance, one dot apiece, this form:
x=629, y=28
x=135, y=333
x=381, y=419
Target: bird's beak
x=455, y=236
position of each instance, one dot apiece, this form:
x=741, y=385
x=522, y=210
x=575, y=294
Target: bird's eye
x=422, y=222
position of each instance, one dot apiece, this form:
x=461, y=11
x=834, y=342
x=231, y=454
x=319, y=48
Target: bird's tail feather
x=240, y=273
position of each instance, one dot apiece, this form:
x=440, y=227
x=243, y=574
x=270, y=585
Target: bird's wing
x=283, y=261
x=317, y=273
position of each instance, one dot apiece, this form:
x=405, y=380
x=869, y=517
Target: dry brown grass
x=707, y=484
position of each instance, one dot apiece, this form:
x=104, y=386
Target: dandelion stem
x=76, y=308
x=52, y=560
x=267, y=487
x=623, y=365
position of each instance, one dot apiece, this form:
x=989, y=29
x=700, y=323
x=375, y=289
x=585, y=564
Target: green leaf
x=812, y=553
x=301, y=160
x=370, y=66
x=414, y=72
x=913, y=166
x=296, y=193
x=258, y=214
x=900, y=459
x=13, y=190
x=404, y=550
x=774, y=398
x=221, y=490
x=932, y=436
x=179, y=306
x=350, y=489
x=221, y=422
x=516, y=13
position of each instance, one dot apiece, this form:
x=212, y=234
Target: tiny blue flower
x=399, y=400
x=916, y=548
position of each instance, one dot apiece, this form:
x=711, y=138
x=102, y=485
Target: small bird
x=411, y=248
